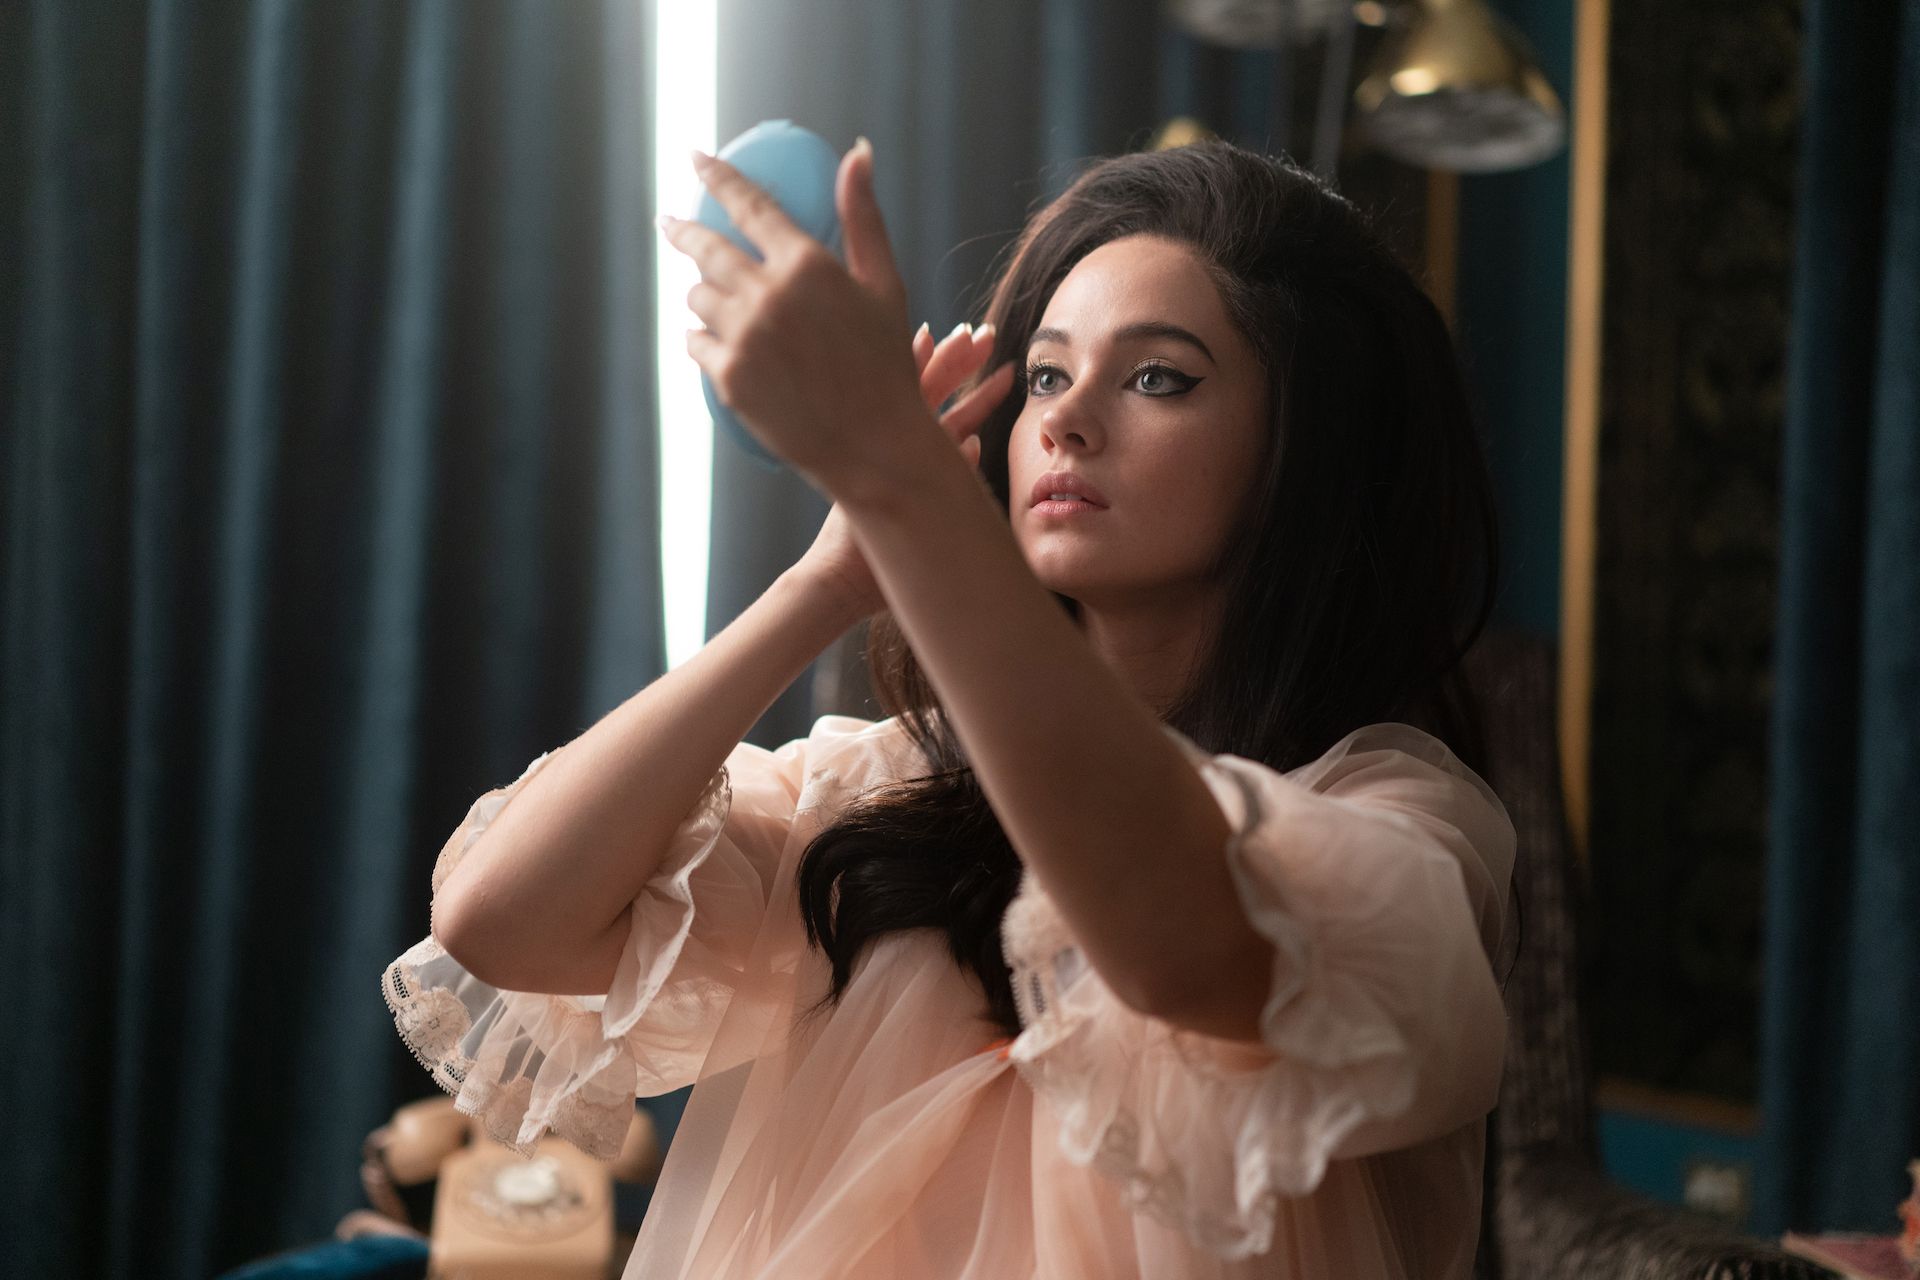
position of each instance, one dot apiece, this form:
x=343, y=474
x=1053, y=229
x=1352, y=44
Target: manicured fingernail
x=664, y=220
x=958, y=330
x=984, y=333
x=701, y=159
x=862, y=141
x=922, y=331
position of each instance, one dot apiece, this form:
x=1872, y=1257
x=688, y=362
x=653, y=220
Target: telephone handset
x=496, y=1213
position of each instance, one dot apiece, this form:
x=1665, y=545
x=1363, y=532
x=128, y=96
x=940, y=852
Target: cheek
x=1026, y=459
x=1191, y=513
x=1200, y=487
x=1022, y=441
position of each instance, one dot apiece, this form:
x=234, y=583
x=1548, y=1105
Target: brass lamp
x=1456, y=87
x=1178, y=132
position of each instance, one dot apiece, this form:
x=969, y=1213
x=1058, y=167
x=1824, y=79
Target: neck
x=1153, y=646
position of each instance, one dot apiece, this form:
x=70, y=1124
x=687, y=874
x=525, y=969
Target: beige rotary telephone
x=498, y=1215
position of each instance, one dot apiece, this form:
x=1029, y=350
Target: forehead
x=1137, y=277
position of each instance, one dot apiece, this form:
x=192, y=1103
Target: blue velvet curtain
x=978, y=113
x=329, y=501
x=1841, y=1048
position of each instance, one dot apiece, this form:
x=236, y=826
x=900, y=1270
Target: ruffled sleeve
x=529, y=1063
x=1379, y=873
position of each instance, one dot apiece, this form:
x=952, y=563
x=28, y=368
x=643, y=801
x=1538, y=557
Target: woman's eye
x=1157, y=380
x=1036, y=372
x=1167, y=380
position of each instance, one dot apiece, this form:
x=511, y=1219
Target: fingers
x=709, y=303
x=922, y=348
x=973, y=408
x=706, y=350
x=757, y=214
x=945, y=365
x=863, y=230
x=957, y=358
x=720, y=260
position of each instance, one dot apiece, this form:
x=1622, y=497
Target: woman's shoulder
x=1411, y=740
x=834, y=729
x=858, y=752
x=1376, y=757
x=836, y=725
x=1399, y=766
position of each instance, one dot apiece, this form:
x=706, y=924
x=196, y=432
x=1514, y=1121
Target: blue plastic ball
x=798, y=169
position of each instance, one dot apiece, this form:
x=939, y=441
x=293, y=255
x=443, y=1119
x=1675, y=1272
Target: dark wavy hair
x=1364, y=569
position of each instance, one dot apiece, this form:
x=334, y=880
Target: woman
x=1154, y=932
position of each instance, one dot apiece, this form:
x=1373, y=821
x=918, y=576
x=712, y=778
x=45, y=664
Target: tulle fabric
x=900, y=1134
x=1379, y=874
x=531, y=1063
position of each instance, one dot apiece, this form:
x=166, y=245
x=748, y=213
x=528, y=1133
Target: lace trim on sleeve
x=529, y=1063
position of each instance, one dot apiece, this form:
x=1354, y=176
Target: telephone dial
x=496, y=1214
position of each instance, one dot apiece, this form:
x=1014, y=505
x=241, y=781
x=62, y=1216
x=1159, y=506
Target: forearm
x=1118, y=826
x=562, y=862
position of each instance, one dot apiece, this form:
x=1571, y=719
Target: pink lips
x=1071, y=507
x=1064, y=482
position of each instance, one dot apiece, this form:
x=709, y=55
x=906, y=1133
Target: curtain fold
x=1841, y=1029
x=329, y=500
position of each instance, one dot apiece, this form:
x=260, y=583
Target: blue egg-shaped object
x=798, y=169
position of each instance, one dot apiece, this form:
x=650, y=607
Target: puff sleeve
x=1379, y=873
x=529, y=1063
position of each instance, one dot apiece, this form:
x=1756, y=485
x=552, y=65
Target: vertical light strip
x=683, y=118
x=1586, y=263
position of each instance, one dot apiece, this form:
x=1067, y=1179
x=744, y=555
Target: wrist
x=825, y=604
x=890, y=458
x=907, y=479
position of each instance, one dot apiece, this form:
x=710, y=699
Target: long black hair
x=1364, y=569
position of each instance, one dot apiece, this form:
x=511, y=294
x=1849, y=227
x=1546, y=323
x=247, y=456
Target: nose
x=1064, y=423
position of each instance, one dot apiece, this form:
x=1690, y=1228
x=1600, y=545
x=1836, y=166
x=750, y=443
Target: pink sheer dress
x=903, y=1135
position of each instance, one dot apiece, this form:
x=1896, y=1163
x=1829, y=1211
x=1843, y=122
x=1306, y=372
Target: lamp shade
x=1256, y=24
x=1454, y=86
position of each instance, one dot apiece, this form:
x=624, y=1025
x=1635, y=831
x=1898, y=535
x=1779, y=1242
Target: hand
x=804, y=350
x=834, y=559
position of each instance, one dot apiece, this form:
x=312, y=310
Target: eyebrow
x=1140, y=329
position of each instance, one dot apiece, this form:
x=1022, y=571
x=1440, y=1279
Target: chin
x=1052, y=575
x=1071, y=570
x=1076, y=591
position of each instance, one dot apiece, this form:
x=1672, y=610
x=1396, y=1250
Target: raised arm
x=541, y=901
x=1091, y=793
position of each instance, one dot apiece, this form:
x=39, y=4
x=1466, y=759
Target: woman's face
x=1167, y=428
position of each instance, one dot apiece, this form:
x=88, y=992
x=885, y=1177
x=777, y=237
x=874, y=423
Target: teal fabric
x=367, y=1258
x=1841, y=1046
x=327, y=501
x=1510, y=318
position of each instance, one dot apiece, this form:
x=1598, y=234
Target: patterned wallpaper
x=1703, y=121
